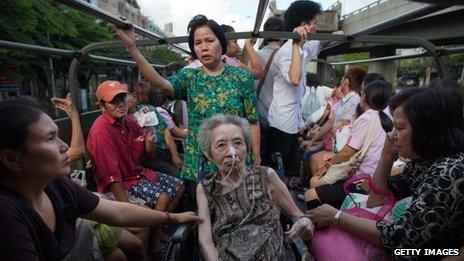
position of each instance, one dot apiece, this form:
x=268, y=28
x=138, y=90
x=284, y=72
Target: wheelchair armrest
x=182, y=233
x=293, y=219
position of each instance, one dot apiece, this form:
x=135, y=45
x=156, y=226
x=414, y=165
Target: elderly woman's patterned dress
x=232, y=92
x=260, y=237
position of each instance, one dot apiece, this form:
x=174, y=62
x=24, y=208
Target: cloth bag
x=342, y=170
x=334, y=243
x=310, y=104
x=360, y=200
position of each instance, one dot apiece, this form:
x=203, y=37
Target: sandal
x=160, y=253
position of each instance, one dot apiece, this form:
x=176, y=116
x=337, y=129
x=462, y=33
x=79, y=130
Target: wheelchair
x=184, y=242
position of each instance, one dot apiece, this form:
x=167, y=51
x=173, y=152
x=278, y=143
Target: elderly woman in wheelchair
x=240, y=206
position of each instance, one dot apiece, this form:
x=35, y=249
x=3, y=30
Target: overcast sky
x=238, y=13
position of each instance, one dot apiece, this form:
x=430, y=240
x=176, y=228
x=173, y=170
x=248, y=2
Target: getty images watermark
x=426, y=252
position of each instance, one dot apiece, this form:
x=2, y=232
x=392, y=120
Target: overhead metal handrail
x=262, y=6
x=37, y=49
x=117, y=21
x=452, y=50
x=122, y=61
x=381, y=59
x=66, y=53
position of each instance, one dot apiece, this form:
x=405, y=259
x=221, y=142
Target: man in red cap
x=116, y=144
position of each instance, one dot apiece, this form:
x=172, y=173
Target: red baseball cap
x=108, y=89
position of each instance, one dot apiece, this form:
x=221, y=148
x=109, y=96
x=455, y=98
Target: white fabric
x=322, y=92
x=145, y=117
x=266, y=94
x=285, y=110
x=313, y=118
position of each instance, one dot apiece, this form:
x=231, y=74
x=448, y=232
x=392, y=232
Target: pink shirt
x=358, y=133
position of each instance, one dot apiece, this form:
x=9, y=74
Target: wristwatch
x=337, y=216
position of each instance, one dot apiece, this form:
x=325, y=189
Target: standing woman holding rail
x=213, y=88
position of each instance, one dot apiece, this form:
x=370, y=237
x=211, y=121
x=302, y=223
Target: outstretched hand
x=303, y=227
x=65, y=105
x=186, y=217
x=127, y=36
x=304, y=31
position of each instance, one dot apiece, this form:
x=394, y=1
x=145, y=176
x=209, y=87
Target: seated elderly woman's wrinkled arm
x=205, y=235
x=282, y=198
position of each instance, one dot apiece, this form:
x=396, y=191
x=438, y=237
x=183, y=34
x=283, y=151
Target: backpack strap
x=266, y=70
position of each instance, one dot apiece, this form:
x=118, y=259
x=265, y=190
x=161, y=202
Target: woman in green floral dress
x=213, y=88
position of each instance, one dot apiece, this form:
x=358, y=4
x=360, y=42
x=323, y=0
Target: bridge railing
x=362, y=9
x=332, y=7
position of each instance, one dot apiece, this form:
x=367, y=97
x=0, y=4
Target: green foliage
x=355, y=57
x=163, y=54
x=51, y=24
x=45, y=23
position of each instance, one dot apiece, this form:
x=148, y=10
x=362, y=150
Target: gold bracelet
x=168, y=217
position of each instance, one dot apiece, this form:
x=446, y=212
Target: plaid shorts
x=148, y=192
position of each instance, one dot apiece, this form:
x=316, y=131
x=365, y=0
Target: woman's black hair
x=199, y=21
x=359, y=111
x=300, y=11
x=273, y=24
x=16, y=114
x=436, y=117
x=403, y=97
x=312, y=79
x=370, y=77
x=227, y=28
x=156, y=99
x=376, y=95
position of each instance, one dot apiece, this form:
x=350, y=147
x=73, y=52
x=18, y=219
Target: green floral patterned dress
x=232, y=92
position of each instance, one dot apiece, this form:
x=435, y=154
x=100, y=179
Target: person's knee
x=115, y=255
x=163, y=202
x=135, y=244
x=314, y=182
x=310, y=194
x=181, y=190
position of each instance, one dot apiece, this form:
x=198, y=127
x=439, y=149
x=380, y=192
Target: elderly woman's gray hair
x=208, y=125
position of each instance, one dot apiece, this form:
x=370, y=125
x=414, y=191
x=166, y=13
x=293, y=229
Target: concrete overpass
x=441, y=25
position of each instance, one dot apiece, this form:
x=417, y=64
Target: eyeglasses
x=120, y=98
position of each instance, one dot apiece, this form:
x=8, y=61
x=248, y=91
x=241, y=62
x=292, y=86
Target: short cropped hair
x=355, y=75
x=312, y=79
x=199, y=21
x=300, y=11
x=208, y=125
x=273, y=24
